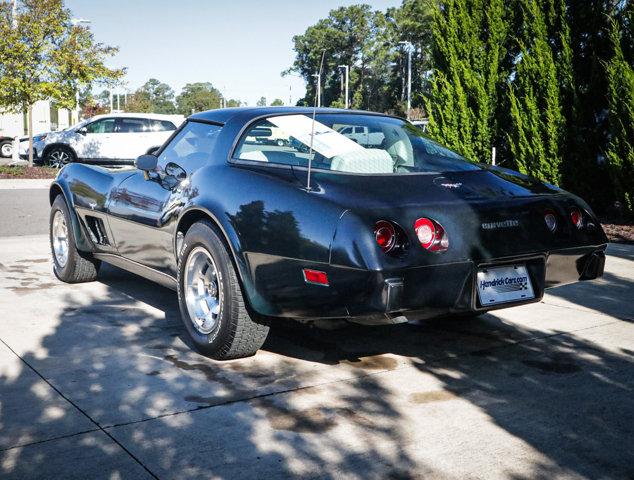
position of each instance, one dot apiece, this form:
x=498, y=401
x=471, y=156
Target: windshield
x=77, y=126
x=350, y=143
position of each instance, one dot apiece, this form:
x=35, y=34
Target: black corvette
x=378, y=226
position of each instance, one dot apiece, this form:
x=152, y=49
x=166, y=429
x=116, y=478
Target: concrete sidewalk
x=25, y=183
x=97, y=381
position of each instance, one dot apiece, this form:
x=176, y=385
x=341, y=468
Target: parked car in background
x=105, y=139
x=247, y=233
x=11, y=126
x=269, y=135
x=422, y=124
x=366, y=136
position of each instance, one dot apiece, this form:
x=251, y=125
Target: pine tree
x=469, y=45
x=536, y=131
x=620, y=152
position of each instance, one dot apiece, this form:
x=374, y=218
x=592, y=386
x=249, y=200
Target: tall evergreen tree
x=536, y=131
x=469, y=44
x=620, y=151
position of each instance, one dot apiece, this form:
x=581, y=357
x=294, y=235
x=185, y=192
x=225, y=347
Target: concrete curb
x=24, y=183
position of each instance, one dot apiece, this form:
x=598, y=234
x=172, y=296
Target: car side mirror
x=147, y=163
x=82, y=131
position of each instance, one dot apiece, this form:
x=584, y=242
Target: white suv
x=106, y=139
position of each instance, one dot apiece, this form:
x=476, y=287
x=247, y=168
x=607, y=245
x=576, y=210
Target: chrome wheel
x=58, y=158
x=203, y=290
x=6, y=150
x=59, y=238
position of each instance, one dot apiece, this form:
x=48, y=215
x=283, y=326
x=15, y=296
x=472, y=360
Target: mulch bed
x=619, y=232
x=27, y=172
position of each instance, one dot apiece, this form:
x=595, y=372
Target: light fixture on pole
x=347, y=70
x=409, y=48
x=77, y=21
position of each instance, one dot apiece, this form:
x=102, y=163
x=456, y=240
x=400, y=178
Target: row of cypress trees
x=549, y=83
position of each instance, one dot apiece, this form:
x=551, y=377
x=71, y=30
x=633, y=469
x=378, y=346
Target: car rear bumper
x=425, y=292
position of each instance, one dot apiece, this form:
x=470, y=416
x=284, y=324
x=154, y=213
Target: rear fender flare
x=232, y=240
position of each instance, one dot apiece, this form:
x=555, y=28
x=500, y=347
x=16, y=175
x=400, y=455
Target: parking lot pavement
x=25, y=211
x=97, y=381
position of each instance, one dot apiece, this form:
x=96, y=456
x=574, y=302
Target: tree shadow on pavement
x=117, y=394
x=313, y=403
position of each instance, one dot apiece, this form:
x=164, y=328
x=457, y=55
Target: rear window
x=350, y=143
x=132, y=125
x=161, y=126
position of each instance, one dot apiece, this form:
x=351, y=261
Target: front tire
x=210, y=298
x=69, y=264
x=58, y=156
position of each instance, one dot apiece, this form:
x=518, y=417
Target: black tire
x=58, y=156
x=235, y=334
x=79, y=266
x=3, y=147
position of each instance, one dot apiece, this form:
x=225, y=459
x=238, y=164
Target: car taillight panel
x=431, y=235
x=390, y=238
x=576, y=217
x=551, y=220
x=385, y=235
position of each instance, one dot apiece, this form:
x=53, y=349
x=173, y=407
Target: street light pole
x=347, y=70
x=409, y=48
x=318, y=76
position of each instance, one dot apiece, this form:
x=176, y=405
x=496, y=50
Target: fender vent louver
x=97, y=230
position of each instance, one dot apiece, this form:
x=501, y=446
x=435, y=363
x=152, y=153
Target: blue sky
x=240, y=46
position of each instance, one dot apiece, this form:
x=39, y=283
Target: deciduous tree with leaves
x=44, y=56
x=153, y=97
x=197, y=97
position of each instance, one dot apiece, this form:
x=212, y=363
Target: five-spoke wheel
x=210, y=298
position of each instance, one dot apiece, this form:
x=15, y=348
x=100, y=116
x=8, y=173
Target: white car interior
x=352, y=143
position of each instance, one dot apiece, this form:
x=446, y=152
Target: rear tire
x=6, y=149
x=210, y=298
x=69, y=264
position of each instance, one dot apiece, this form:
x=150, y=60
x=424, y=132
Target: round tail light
x=576, y=217
x=385, y=235
x=551, y=220
x=431, y=235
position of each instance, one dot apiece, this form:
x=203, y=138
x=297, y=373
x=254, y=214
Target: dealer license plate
x=509, y=283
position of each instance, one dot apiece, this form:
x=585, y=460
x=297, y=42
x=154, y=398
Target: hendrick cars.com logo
x=505, y=284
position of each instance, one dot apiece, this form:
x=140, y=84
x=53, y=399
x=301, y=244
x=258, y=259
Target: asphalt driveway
x=97, y=381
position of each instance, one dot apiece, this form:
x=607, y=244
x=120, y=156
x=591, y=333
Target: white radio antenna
x=312, y=132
